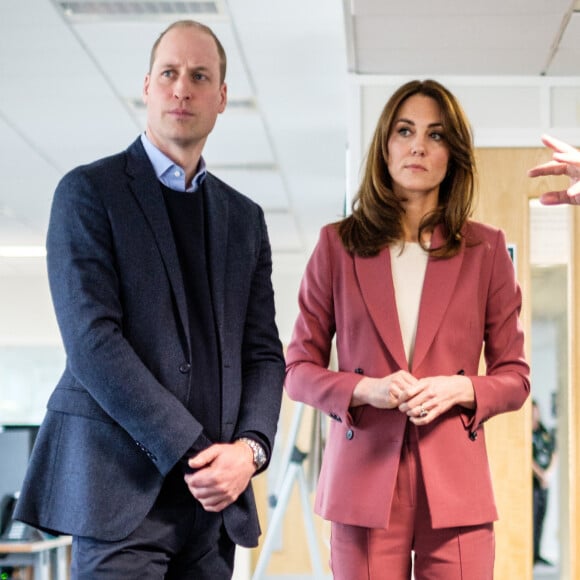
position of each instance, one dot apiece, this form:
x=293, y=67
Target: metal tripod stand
x=291, y=471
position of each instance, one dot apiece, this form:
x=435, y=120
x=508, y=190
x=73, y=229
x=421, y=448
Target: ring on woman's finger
x=422, y=411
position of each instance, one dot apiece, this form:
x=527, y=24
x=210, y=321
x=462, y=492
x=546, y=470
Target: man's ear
x=145, y=92
x=224, y=97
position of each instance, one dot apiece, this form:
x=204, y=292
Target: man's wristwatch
x=257, y=450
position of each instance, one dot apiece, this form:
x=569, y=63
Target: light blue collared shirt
x=169, y=173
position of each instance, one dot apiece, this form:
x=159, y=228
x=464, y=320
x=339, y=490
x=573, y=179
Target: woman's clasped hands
x=422, y=400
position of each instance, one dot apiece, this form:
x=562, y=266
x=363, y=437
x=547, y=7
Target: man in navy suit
x=160, y=275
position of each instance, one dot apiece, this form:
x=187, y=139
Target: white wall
x=26, y=315
x=31, y=356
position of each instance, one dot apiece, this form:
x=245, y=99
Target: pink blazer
x=468, y=301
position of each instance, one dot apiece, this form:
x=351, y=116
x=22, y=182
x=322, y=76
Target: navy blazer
x=117, y=421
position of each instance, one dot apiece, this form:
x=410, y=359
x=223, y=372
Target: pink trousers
x=410, y=545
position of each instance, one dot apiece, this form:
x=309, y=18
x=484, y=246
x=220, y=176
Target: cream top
x=408, y=268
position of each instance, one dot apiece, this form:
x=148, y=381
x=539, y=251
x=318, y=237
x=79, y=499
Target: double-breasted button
x=349, y=434
x=184, y=367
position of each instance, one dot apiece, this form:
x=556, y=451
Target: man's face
x=183, y=91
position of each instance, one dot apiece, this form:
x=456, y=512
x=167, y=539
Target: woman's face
x=418, y=154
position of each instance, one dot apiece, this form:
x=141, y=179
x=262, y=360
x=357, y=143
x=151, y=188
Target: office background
x=306, y=82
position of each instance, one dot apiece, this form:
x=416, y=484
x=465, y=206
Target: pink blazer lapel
x=441, y=279
x=376, y=283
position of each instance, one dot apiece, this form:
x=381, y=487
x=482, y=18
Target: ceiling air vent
x=110, y=9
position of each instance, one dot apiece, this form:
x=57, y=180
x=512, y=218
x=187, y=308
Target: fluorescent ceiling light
x=22, y=251
x=127, y=9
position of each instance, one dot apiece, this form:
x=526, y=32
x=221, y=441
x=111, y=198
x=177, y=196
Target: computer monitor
x=16, y=443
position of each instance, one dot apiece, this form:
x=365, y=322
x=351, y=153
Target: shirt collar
x=168, y=172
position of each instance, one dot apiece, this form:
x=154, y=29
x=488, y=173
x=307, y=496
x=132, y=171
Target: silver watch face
x=259, y=456
x=258, y=452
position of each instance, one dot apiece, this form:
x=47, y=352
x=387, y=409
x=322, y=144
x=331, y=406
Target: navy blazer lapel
x=147, y=190
x=441, y=278
x=217, y=211
x=376, y=283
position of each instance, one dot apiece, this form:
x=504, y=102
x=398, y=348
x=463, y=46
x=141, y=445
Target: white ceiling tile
x=265, y=187
x=239, y=137
x=28, y=182
x=567, y=59
x=444, y=44
x=122, y=50
x=285, y=237
x=420, y=8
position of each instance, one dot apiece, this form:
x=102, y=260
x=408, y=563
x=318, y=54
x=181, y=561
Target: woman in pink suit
x=411, y=289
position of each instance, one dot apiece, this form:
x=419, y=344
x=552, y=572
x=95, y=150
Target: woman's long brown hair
x=376, y=218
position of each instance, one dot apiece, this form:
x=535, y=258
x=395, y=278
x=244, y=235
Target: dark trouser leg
x=540, y=506
x=177, y=540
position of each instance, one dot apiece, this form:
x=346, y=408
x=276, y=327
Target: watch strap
x=259, y=455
